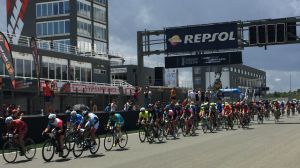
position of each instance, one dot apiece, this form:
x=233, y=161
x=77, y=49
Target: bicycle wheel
x=94, y=149
x=9, y=152
x=142, y=134
x=70, y=139
x=30, y=149
x=150, y=135
x=78, y=147
x=109, y=141
x=160, y=135
x=48, y=150
x=184, y=130
x=66, y=149
x=123, y=140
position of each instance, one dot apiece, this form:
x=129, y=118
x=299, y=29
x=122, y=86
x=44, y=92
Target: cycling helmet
x=68, y=112
x=52, y=116
x=8, y=120
x=85, y=113
x=73, y=113
x=150, y=105
x=142, y=109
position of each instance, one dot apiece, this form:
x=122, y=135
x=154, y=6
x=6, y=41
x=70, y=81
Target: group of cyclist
x=217, y=114
x=79, y=120
x=186, y=113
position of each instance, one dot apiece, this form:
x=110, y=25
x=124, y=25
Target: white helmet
x=73, y=113
x=142, y=109
x=8, y=120
x=52, y=116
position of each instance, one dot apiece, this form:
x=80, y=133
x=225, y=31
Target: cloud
x=3, y=26
x=277, y=79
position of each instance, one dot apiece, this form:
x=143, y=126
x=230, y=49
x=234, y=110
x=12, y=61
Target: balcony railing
x=54, y=47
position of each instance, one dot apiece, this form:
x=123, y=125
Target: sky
x=280, y=62
x=126, y=17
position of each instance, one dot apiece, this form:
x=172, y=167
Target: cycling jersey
x=75, y=121
x=58, y=123
x=18, y=126
x=92, y=121
x=144, y=115
x=117, y=120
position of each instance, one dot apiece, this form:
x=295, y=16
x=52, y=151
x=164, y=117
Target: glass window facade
x=104, y=2
x=100, y=46
x=19, y=67
x=52, y=8
x=62, y=45
x=84, y=28
x=100, y=14
x=83, y=9
x=27, y=68
x=53, y=28
x=100, y=33
x=84, y=45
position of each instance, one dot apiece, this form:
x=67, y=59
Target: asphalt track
x=262, y=146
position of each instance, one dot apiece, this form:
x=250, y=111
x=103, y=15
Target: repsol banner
x=201, y=38
x=204, y=60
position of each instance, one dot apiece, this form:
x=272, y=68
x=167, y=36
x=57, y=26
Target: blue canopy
x=233, y=90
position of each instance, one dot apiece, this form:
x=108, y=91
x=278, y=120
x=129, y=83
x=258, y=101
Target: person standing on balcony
x=113, y=106
x=173, y=94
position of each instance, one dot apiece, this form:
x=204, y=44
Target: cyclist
x=19, y=129
x=227, y=113
x=57, y=124
x=117, y=121
x=75, y=120
x=90, y=122
x=144, y=116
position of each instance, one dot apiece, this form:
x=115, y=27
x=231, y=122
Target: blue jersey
x=75, y=121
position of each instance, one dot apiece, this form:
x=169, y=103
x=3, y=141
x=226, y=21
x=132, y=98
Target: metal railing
x=118, y=82
x=54, y=46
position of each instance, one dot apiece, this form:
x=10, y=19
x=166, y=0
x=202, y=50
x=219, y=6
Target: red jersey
x=19, y=126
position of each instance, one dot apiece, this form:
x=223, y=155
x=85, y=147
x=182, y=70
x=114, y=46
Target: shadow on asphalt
x=21, y=161
x=94, y=156
x=121, y=149
x=63, y=160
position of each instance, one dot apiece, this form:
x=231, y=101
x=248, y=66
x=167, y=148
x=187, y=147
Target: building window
x=64, y=72
x=34, y=75
x=197, y=80
x=104, y=2
x=89, y=75
x=72, y=72
x=77, y=73
x=100, y=14
x=58, y=71
x=45, y=67
x=83, y=9
x=27, y=66
x=51, y=71
x=53, y=28
x=62, y=45
x=52, y=9
x=84, y=45
x=84, y=28
x=19, y=67
x=100, y=33
x=100, y=46
x=83, y=74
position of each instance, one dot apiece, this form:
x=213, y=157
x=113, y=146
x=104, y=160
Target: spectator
x=113, y=106
x=128, y=106
x=136, y=94
x=53, y=88
x=192, y=95
x=147, y=96
x=173, y=94
x=47, y=96
x=95, y=108
x=108, y=108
